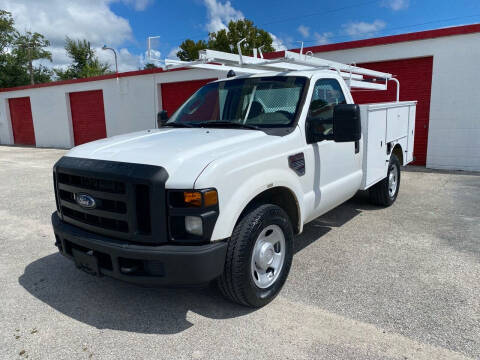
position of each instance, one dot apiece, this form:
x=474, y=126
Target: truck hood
x=184, y=153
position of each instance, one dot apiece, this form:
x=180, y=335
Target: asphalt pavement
x=366, y=283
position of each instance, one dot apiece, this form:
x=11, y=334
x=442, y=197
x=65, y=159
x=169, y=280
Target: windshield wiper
x=226, y=124
x=179, y=124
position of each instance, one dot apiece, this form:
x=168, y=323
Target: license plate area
x=86, y=261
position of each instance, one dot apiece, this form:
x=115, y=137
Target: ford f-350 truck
x=221, y=188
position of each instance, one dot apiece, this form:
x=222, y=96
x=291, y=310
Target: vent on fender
x=297, y=163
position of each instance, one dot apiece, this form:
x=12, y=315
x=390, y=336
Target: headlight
x=192, y=214
x=194, y=225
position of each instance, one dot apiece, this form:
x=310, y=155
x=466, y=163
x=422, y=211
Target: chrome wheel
x=393, y=180
x=268, y=256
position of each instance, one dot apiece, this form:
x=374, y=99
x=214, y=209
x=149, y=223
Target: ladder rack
x=355, y=77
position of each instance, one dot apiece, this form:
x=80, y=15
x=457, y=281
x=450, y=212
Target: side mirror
x=346, y=123
x=162, y=118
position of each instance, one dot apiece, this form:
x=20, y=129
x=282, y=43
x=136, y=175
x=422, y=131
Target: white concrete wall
x=454, y=128
x=6, y=134
x=130, y=103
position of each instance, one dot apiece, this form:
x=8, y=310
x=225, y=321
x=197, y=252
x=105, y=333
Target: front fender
x=237, y=191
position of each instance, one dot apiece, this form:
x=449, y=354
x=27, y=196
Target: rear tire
x=385, y=192
x=259, y=256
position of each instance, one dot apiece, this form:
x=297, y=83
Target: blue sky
x=314, y=22
x=126, y=24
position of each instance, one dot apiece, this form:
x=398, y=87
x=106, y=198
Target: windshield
x=249, y=102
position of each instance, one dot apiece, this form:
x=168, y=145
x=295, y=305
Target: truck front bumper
x=140, y=264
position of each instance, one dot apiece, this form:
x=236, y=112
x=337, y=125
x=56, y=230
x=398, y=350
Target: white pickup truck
x=221, y=188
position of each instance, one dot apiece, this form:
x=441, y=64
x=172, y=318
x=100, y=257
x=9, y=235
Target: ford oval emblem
x=84, y=200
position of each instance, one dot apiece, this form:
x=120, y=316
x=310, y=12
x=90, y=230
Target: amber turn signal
x=210, y=198
x=192, y=198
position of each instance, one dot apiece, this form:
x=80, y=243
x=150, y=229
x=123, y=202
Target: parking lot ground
x=366, y=283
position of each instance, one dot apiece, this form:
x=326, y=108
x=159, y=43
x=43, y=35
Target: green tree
x=17, y=54
x=85, y=62
x=189, y=49
x=30, y=47
x=42, y=74
x=13, y=72
x=227, y=39
x=150, y=66
x=8, y=33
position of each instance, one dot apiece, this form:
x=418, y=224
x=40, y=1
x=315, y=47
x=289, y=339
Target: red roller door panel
x=415, y=76
x=88, y=116
x=174, y=94
x=22, y=122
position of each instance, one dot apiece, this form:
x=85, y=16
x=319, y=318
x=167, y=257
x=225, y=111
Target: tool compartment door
x=383, y=124
x=374, y=127
x=397, y=123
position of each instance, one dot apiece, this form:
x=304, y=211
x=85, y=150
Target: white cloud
x=173, y=53
x=278, y=44
x=323, y=38
x=55, y=19
x=304, y=30
x=126, y=60
x=361, y=28
x=219, y=14
x=396, y=4
x=138, y=5
x=59, y=57
x=87, y=19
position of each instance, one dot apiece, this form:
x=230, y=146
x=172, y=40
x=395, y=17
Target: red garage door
x=88, y=116
x=22, y=122
x=415, y=77
x=174, y=94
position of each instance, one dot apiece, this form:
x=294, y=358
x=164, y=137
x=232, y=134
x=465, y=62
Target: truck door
x=337, y=166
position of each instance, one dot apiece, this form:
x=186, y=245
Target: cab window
x=327, y=93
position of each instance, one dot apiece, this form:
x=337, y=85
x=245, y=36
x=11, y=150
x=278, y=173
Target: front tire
x=385, y=192
x=259, y=256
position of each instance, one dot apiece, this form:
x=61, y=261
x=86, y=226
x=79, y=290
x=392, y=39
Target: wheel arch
x=280, y=196
x=397, y=150
x=254, y=183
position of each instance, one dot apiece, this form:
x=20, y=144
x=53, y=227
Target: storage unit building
x=438, y=68
x=69, y=113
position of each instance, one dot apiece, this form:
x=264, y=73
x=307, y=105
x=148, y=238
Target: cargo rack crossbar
x=355, y=77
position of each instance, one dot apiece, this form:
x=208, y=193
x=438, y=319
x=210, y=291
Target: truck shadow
x=110, y=304
x=334, y=218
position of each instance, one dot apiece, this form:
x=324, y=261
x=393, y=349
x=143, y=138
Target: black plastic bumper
x=140, y=264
